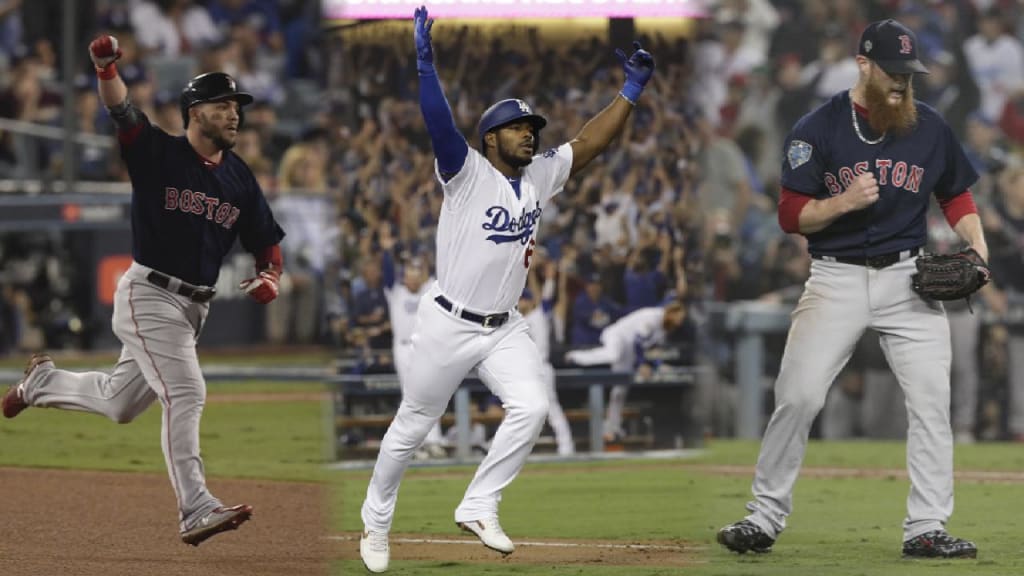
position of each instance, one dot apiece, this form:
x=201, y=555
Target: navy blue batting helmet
x=212, y=87
x=506, y=112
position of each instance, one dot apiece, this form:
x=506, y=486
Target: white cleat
x=490, y=533
x=374, y=550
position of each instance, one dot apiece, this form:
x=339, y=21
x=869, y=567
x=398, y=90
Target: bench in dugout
x=662, y=412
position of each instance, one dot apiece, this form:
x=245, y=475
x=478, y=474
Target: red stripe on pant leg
x=167, y=399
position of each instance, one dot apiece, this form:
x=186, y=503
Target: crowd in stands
x=271, y=47
x=682, y=208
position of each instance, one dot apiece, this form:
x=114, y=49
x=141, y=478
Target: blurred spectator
x=835, y=69
x=168, y=117
x=592, y=312
x=996, y=60
x=370, y=307
x=173, y=27
x=10, y=26
x=1011, y=121
x=42, y=32
x=984, y=149
x=28, y=99
x=950, y=89
x=1006, y=230
x=296, y=315
x=259, y=15
x=93, y=160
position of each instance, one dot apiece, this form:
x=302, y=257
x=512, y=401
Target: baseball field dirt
x=107, y=524
x=531, y=551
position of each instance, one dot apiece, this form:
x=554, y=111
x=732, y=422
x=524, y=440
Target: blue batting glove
x=424, y=51
x=638, y=68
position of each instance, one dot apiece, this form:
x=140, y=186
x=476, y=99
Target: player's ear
x=490, y=139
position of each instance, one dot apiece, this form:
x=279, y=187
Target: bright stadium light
x=388, y=9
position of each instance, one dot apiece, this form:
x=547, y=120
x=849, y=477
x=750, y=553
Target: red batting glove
x=104, y=51
x=264, y=287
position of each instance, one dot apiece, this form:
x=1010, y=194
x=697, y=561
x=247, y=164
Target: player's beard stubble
x=216, y=134
x=886, y=117
x=512, y=155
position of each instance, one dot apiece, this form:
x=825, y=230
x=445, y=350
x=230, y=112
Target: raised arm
x=600, y=130
x=104, y=51
x=450, y=146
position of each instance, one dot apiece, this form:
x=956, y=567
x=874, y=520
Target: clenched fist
x=264, y=287
x=104, y=51
x=861, y=193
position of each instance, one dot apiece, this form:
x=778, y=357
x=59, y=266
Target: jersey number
x=529, y=253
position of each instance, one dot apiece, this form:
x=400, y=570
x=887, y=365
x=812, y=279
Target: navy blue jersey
x=186, y=213
x=824, y=155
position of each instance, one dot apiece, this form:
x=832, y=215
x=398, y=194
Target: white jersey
x=486, y=233
x=639, y=329
x=402, y=306
x=540, y=332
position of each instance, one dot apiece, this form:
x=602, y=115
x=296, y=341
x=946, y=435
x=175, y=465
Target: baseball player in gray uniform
x=192, y=197
x=493, y=200
x=859, y=173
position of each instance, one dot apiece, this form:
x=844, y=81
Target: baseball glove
x=950, y=276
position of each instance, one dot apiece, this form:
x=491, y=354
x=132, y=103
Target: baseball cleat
x=13, y=402
x=218, y=520
x=745, y=536
x=939, y=544
x=490, y=533
x=374, y=550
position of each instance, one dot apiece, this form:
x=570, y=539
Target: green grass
x=267, y=440
x=840, y=526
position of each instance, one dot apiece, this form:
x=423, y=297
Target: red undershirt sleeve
x=790, y=205
x=958, y=206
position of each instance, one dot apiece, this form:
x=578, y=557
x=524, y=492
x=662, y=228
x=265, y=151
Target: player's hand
x=422, y=25
x=104, y=51
x=638, y=68
x=861, y=193
x=264, y=287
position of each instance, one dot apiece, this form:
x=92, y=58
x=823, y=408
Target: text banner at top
x=384, y=9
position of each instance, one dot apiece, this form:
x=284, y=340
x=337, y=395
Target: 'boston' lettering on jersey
x=197, y=203
x=899, y=174
x=520, y=229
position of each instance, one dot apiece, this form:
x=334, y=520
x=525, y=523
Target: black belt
x=485, y=320
x=880, y=261
x=198, y=294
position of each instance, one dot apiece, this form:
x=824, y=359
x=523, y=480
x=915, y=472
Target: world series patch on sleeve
x=950, y=276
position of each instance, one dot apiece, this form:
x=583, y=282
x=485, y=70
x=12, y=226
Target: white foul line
x=541, y=544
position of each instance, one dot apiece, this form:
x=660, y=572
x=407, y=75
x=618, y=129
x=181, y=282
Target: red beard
x=884, y=117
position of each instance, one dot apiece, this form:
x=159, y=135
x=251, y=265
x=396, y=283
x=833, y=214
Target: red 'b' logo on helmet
x=905, y=46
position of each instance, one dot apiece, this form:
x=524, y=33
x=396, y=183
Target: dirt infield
x=553, y=552
x=110, y=524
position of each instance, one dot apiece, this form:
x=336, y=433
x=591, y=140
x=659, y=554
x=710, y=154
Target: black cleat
x=745, y=536
x=939, y=544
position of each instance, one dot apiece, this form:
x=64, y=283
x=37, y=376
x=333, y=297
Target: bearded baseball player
x=493, y=200
x=191, y=198
x=857, y=178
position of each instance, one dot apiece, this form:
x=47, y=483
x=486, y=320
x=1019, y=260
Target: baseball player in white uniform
x=539, y=326
x=620, y=342
x=493, y=200
x=403, y=302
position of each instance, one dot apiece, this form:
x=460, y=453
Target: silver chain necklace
x=856, y=126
